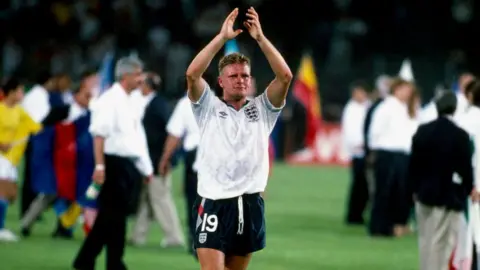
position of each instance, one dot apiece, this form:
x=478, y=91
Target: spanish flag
x=305, y=90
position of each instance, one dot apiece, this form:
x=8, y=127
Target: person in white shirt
x=391, y=132
x=462, y=102
x=470, y=122
x=429, y=112
x=36, y=101
x=474, y=130
x=233, y=156
x=382, y=88
x=353, y=119
x=156, y=196
x=121, y=158
x=182, y=126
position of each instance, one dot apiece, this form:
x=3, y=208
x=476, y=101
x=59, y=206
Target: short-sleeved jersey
x=233, y=157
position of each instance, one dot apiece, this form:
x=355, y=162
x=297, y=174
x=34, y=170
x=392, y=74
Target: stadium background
x=346, y=40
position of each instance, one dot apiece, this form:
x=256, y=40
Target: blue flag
x=231, y=46
x=85, y=160
x=106, y=72
x=42, y=172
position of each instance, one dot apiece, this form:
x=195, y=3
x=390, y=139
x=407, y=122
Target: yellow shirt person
x=15, y=128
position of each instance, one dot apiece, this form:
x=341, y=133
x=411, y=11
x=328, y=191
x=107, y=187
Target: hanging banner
x=327, y=148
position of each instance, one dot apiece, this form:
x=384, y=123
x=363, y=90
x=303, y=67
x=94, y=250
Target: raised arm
x=278, y=88
x=195, y=82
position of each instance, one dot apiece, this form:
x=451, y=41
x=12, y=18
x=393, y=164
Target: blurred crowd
x=415, y=167
x=348, y=39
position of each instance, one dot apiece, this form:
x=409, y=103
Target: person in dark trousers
x=440, y=179
x=391, y=131
x=121, y=158
x=382, y=88
x=352, y=124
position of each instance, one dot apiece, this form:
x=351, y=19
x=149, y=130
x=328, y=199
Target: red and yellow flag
x=305, y=90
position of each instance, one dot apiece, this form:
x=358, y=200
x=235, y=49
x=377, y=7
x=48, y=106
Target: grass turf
x=305, y=230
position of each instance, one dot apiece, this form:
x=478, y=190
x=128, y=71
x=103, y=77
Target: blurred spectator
x=440, y=149
x=12, y=57
x=156, y=196
x=352, y=132
x=15, y=128
x=37, y=104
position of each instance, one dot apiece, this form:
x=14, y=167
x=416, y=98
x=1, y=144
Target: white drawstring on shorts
x=240, y=215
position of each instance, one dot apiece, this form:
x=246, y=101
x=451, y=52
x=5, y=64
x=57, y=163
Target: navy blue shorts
x=235, y=226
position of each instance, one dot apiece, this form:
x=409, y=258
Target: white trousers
x=156, y=200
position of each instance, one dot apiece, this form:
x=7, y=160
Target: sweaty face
x=235, y=81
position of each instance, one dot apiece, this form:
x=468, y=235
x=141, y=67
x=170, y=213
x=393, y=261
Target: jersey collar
x=246, y=102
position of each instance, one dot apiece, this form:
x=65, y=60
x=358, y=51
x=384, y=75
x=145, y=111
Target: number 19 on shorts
x=209, y=223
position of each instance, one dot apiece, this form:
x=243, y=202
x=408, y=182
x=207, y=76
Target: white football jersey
x=233, y=157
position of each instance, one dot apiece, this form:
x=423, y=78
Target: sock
x=3, y=212
x=69, y=218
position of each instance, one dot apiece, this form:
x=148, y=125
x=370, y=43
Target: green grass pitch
x=305, y=231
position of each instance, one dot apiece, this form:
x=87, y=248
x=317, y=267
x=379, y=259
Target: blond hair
x=233, y=58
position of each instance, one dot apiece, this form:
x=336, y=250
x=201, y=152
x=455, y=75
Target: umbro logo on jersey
x=223, y=115
x=252, y=114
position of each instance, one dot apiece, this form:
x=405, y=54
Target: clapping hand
x=253, y=24
x=227, y=31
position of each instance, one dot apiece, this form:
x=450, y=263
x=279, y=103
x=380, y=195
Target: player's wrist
x=99, y=167
x=222, y=37
x=261, y=38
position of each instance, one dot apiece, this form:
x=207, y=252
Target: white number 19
x=209, y=223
